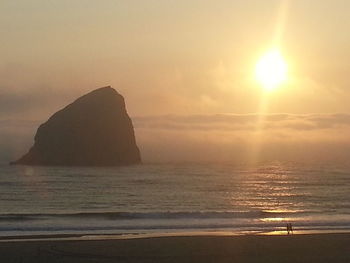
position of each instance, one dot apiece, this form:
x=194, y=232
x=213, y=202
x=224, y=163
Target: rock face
x=95, y=130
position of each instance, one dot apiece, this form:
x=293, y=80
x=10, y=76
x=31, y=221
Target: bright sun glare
x=271, y=70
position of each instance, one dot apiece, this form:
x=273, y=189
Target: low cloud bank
x=245, y=137
x=218, y=138
x=232, y=122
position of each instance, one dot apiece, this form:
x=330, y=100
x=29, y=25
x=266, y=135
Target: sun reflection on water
x=274, y=219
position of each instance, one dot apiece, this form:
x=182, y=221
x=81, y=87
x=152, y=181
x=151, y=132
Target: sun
x=271, y=70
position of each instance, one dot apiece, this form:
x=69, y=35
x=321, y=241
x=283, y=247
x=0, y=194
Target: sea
x=174, y=198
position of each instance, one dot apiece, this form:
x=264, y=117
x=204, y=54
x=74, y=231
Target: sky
x=192, y=60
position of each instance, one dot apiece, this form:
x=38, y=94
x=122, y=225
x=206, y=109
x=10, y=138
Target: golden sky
x=181, y=57
x=174, y=56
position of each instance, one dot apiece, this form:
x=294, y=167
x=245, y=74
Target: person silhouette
x=289, y=228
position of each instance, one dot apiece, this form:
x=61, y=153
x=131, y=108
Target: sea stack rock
x=95, y=130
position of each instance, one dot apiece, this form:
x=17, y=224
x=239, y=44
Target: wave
x=147, y=215
x=124, y=228
x=139, y=222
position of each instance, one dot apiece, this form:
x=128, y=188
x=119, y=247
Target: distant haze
x=185, y=61
x=220, y=138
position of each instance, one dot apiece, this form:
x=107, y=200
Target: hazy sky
x=180, y=57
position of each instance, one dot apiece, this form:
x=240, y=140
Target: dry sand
x=330, y=248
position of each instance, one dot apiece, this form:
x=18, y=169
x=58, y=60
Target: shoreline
x=126, y=236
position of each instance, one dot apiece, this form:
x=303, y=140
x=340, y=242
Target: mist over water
x=231, y=138
x=173, y=197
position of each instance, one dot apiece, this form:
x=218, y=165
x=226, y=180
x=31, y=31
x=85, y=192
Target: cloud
x=32, y=103
x=232, y=122
x=237, y=137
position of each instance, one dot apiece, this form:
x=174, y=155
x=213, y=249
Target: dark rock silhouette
x=95, y=130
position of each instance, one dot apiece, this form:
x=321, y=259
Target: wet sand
x=250, y=248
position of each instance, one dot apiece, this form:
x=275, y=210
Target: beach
x=245, y=248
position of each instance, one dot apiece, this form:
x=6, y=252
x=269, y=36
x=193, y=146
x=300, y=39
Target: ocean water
x=160, y=198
